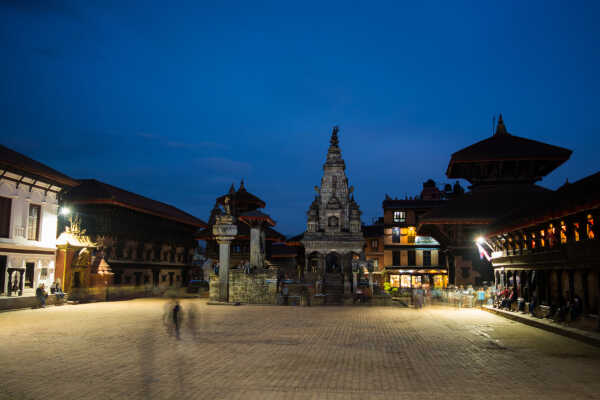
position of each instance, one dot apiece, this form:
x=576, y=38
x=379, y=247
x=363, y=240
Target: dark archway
x=333, y=263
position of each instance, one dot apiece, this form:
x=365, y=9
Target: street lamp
x=65, y=211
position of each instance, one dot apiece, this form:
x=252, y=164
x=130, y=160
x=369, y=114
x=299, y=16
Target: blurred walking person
x=192, y=312
x=177, y=317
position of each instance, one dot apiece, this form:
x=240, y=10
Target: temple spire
x=334, y=138
x=241, y=185
x=501, y=129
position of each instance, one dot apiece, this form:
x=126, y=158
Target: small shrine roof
x=74, y=240
x=256, y=215
x=12, y=160
x=92, y=191
x=241, y=196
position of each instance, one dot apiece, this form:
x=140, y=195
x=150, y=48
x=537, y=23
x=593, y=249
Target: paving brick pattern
x=121, y=350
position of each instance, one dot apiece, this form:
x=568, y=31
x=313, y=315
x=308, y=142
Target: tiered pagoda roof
x=504, y=157
x=241, y=200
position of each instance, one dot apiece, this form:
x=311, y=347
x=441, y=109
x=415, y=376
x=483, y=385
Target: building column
x=354, y=281
x=21, y=281
x=371, y=282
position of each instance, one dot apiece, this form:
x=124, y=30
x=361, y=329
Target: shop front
x=406, y=279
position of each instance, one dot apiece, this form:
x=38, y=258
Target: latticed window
x=576, y=231
x=399, y=216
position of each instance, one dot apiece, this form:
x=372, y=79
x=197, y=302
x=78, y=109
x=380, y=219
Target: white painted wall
x=21, y=198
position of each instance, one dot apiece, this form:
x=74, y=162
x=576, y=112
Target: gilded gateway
x=333, y=236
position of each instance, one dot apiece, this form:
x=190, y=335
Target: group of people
x=506, y=297
x=42, y=295
x=566, y=307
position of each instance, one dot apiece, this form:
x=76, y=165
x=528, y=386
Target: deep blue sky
x=178, y=102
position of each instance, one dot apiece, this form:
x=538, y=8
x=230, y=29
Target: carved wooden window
x=543, y=238
x=590, y=227
x=524, y=241
x=563, y=232
x=374, y=244
x=576, y=231
x=533, y=240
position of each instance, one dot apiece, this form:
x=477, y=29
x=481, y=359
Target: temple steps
x=333, y=287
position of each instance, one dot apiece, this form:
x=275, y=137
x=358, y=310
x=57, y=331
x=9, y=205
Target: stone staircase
x=333, y=288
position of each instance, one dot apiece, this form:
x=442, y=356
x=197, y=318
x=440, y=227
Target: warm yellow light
x=480, y=240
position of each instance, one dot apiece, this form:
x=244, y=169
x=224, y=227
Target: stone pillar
x=257, y=246
x=224, y=253
x=224, y=231
x=371, y=282
x=354, y=281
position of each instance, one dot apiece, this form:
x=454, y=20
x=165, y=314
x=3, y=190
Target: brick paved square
x=121, y=350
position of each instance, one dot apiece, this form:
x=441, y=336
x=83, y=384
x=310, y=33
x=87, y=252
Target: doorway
x=3, y=261
x=333, y=263
x=29, y=269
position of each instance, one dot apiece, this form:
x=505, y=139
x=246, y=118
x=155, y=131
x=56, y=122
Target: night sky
x=178, y=102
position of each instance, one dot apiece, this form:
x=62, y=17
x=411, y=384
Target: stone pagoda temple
x=333, y=237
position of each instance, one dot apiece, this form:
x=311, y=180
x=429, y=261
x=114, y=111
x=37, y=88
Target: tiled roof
x=484, y=205
x=371, y=231
x=569, y=199
x=91, y=191
x=12, y=160
x=256, y=215
x=280, y=250
x=394, y=203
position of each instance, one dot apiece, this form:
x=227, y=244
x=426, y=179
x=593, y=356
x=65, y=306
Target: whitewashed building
x=29, y=193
